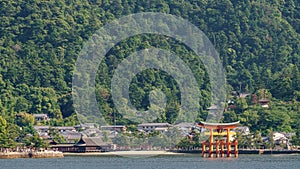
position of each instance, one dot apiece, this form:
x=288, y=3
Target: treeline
x=258, y=43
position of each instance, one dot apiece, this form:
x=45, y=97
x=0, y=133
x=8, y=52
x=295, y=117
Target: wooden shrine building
x=85, y=144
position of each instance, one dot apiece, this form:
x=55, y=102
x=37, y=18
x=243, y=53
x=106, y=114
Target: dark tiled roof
x=63, y=128
x=71, y=135
x=114, y=126
x=54, y=127
x=90, y=141
x=41, y=127
x=155, y=124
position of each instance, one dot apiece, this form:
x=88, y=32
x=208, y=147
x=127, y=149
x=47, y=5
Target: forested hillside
x=258, y=43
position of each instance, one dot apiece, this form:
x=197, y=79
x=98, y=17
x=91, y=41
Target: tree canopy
x=258, y=43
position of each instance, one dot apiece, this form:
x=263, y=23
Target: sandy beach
x=128, y=153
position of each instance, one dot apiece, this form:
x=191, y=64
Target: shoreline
x=136, y=154
x=178, y=153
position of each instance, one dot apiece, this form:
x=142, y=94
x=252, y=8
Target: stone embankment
x=44, y=154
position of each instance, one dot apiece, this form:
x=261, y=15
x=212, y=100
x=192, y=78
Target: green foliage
x=8, y=134
x=24, y=119
x=258, y=42
x=54, y=134
x=35, y=141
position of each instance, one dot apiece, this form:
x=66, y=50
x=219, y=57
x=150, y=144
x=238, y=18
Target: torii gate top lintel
x=219, y=125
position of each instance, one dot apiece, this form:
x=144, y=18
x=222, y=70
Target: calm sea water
x=162, y=162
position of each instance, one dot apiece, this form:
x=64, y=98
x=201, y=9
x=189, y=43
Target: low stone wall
x=48, y=154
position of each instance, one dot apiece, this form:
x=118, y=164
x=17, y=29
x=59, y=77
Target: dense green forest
x=258, y=43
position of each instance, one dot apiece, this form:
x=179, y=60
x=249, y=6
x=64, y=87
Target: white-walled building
x=150, y=127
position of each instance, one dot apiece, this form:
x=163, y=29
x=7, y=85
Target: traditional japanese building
x=91, y=144
x=40, y=117
x=85, y=144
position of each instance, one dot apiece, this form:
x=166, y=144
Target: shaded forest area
x=258, y=43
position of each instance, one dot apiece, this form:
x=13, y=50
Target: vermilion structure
x=219, y=147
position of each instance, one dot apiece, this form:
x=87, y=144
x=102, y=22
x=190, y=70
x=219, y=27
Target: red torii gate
x=219, y=128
